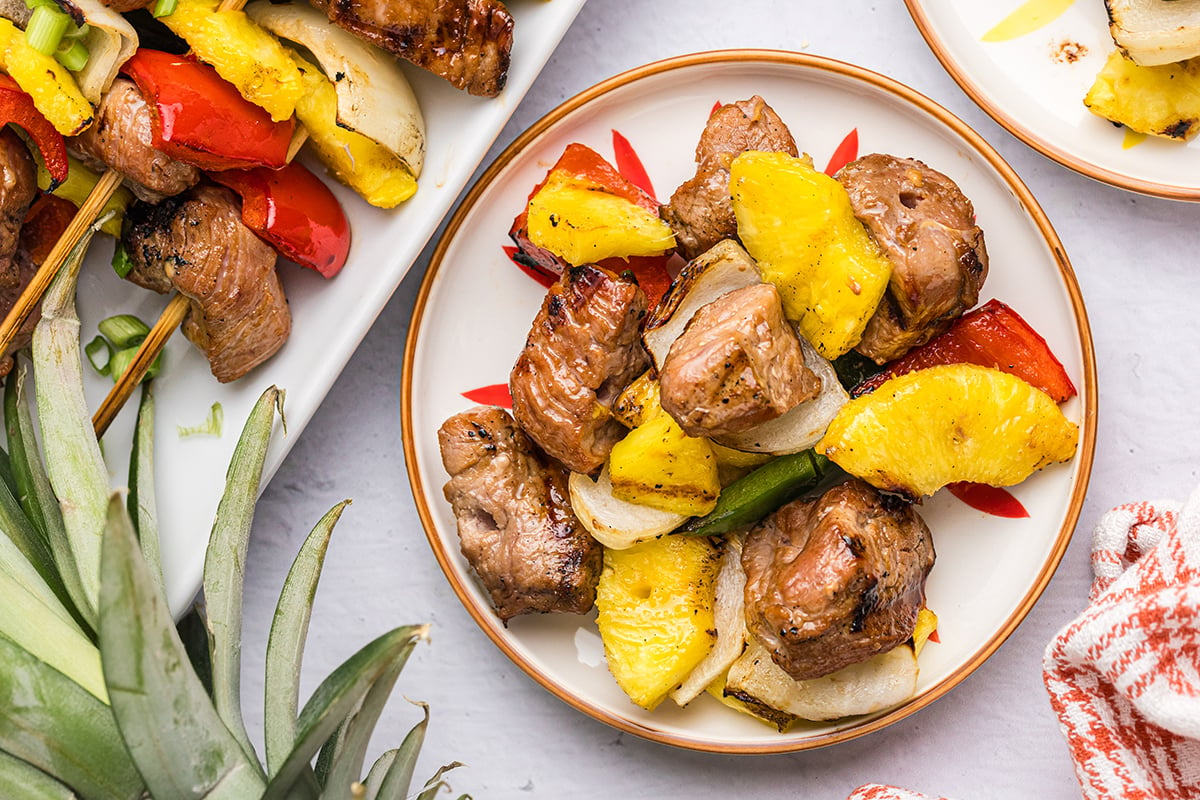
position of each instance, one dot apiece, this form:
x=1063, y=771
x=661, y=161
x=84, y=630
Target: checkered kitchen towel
x=1125, y=676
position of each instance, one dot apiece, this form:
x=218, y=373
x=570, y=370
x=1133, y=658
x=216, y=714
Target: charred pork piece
x=467, y=42
x=18, y=189
x=701, y=211
x=926, y=226
x=738, y=363
x=515, y=522
x=121, y=139
x=833, y=581
x=196, y=243
x=583, y=349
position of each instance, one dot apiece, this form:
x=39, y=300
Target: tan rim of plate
x=484, y=615
x=1048, y=149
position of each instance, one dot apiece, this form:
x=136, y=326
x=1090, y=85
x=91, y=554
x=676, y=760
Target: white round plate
x=476, y=306
x=1034, y=84
x=329, y=318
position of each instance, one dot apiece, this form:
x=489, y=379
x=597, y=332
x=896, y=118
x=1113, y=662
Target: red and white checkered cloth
x=1124, y=677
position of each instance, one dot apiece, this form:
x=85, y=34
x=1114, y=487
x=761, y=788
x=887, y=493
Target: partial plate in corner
x=1033, y=84
x=329, y=318
x=475, y=308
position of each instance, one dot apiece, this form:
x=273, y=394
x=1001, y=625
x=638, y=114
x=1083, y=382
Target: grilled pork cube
x=467, y=42
x=926, y=227
x=515, y=523
x=583, y=349
x=738, y=363
x=18, y=189
x=196, y=243
x=700, y=211
x=121, y=138
x=833, y=581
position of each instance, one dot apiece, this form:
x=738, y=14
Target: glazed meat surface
x=515, y=523
x=467, y=42
x=196, y=243
x=833, y=581
x=18, y=190
x=583, y=349
x=121, y=139
x=737, y=364
x=700, y=211
x=926, y=226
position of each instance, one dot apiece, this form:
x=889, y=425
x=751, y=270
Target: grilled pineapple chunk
x=1161, y=101
x=957, y=422
x=582, y=223
x=660, y=466
x=655, y=613
x=638, y=401
x=799, y=226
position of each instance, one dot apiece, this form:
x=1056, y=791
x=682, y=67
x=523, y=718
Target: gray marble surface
x=994, y=736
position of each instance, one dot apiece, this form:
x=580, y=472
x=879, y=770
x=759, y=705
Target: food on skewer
x=467, y=42
x=740, y=446
x=18, y=189
x=197, y=244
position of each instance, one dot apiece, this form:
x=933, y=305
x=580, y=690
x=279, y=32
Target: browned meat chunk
x=467, y=42
x=737, y=364
x=125, y=6
x=121, y=139
x=833, y=581
x=583, y=349
x=701, y=211
x=926, y=226
x=18, y=189
x=515, y=522
x=196, y=243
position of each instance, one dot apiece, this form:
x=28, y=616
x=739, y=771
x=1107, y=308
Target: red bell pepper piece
x=16, y=107
x=585, y=163
x=295, y=212
x=45, y=222
x=199, y=118
x=992, y=335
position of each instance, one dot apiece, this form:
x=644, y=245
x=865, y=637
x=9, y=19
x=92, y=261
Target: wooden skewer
x=151, y=346
x=32, y=294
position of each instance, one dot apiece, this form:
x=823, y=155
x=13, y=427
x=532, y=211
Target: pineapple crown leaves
x=101, y=694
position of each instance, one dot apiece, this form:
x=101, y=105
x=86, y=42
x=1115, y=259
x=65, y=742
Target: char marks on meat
x=467, y=42
x=584, y=348
x=196, y=243
x=926, y=226
x=18, y=190
x=515, y=522
x=737, y=364
x=121, y=138
x=833, y=581
x=701, y=211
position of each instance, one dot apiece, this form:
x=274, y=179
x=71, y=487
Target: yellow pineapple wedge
x=655, y=613
x=799, y=226
x=660, y=466
x=957, y=422
x=582, y=223
x=1162, y=101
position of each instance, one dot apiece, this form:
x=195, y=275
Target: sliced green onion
x=94, y=348
x=123, y=330
x=46, y=28
x=32, y=4
x=122, y=358
x=164, y=8
x=77, y=31
x=72, y=54
x=122, y=264
x=210, y=426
